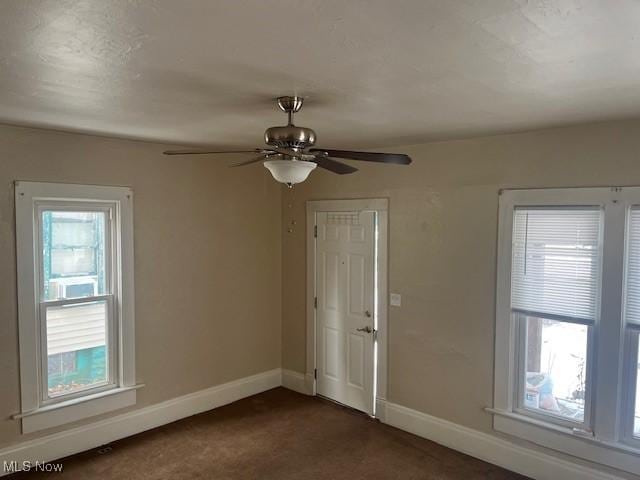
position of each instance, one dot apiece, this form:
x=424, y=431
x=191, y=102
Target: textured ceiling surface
x=375, y=73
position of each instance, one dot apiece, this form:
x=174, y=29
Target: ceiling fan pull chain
x=290, y=204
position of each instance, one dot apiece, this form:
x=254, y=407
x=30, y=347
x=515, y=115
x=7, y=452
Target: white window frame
x=632, y=338
x=631, y=358
x=601, y=438
x=38, y=410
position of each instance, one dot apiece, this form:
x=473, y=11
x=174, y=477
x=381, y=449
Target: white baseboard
x=310, y=383
x=489, y=448
x=86, y=437
x=381, y=409
x=296, y=381
x=486, y=447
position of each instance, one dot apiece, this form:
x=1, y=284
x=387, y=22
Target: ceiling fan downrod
x=290, y=105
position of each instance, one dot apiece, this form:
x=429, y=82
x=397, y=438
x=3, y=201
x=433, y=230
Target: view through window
x=74, y=267
x=556, y=359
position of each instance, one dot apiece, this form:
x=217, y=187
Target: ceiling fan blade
x=207, y=152
x=334, y=166
x=397, y=158
x=249, y=162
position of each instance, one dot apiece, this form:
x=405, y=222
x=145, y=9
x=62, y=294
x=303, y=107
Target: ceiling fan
x=290, y=158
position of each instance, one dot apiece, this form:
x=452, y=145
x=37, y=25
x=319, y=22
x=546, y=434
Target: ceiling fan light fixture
x=289, y=171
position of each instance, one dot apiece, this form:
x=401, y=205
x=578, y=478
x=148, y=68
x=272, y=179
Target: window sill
x=567, y=440
x=61, y=413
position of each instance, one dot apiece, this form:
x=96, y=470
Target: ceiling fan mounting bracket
x=290, y=104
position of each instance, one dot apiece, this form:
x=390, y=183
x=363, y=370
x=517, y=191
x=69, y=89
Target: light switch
x=396, y=300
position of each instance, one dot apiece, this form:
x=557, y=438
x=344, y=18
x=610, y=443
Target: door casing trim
x=381, y=207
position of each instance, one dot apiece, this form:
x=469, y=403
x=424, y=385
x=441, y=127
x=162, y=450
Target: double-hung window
x=631, y=373
x=567, y=322
x=75, y=290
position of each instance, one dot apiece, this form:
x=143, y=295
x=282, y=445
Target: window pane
x=636, y=424
x=556, y=368
x=556, y=260
x=632, y=293
x=73, y=254
x=76, y=347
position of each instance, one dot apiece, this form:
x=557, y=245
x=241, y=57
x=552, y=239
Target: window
x=74, y=266
x=635, y=404
x=555, y=279
x=632, y=322
x=567, y=322
x=75, y=288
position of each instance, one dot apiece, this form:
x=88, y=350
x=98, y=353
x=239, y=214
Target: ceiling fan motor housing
x=290, y=137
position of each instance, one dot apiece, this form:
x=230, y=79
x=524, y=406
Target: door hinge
x=315, y=373
x=315, y=231
x=315, y=302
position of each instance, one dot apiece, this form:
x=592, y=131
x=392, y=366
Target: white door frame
x=381, y=207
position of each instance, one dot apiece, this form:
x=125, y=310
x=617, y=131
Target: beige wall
x=207, y=260
x=211, y=255
x=443, y=229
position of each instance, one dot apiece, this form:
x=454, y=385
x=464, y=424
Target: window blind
x=632, y=287
x=556, y=262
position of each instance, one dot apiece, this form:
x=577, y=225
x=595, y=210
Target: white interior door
x=345, y=266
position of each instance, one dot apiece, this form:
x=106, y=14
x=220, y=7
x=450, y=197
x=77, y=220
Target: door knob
x=366, y=329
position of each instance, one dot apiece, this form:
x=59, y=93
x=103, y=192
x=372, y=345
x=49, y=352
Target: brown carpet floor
x=278, y=434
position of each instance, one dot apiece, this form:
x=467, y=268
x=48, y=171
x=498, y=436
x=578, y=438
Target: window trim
x=36, y=413
x=606, y=444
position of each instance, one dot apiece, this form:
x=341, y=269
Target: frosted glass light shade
x=289, y=171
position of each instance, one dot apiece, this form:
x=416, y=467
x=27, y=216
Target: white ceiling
x=202, y=72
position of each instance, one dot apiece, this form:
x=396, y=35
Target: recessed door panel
x=355, y=361
x=331, y=232
x=357, y=282
x=332, y=349
x=331, y=266
x=357, y=234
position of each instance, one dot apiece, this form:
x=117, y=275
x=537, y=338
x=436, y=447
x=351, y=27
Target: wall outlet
x=395, y=300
